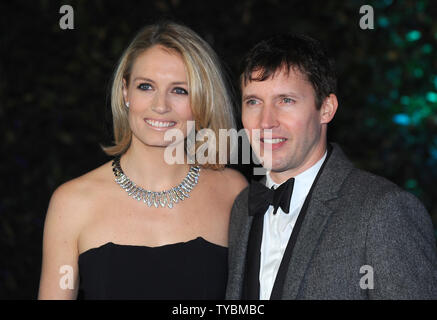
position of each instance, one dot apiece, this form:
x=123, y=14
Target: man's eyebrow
x=279, y=95
x=287, y=94
x=250, y=96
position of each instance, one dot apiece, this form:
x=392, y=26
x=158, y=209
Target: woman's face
x=158, y=96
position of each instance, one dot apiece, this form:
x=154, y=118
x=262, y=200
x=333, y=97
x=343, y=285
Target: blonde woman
x=138, y=227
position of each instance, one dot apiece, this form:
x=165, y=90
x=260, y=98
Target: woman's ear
x=126, y=101
x=329, y=108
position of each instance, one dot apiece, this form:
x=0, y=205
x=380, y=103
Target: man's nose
x=269, y=118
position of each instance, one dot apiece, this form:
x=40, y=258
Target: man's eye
x=288, y=100
x=145, y=86
x=251, y=102
x=180, y=91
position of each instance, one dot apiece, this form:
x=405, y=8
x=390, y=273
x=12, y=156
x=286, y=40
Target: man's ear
x=328, y=108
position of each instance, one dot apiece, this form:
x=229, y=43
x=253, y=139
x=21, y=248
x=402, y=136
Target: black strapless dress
x=196, y=269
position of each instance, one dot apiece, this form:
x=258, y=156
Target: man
x=330, y=231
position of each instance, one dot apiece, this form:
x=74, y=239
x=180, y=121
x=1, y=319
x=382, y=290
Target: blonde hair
x=210, y=99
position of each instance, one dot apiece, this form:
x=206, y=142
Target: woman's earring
x=127, y=104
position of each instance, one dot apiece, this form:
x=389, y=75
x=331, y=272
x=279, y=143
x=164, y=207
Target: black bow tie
x=261, y=197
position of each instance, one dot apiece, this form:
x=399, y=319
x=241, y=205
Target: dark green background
x=54, y=106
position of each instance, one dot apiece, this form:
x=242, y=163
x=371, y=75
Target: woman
x=139, y=227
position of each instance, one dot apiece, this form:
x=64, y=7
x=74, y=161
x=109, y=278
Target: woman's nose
x=160, y=104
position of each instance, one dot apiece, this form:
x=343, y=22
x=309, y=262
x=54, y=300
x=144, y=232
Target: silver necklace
x=161, y=198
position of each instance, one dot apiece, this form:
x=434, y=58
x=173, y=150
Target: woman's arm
x=59, y=272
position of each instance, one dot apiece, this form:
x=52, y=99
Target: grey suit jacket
x=354, y=219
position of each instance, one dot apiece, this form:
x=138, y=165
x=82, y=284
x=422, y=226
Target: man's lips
x=273, y=143
x=273, y=140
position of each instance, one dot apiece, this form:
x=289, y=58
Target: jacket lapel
x=251, y=273
x=306, y=242
x=253, y=256
x=318, y=212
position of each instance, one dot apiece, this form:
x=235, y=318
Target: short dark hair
x=292, y=51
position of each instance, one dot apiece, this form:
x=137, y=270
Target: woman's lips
x=160, y=125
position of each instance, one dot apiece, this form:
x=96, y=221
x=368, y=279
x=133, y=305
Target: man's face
x=285, y=104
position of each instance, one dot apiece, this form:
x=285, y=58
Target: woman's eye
x=180, y=91
x=145, y=86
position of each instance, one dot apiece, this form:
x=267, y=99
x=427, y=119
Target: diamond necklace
x=163, y=198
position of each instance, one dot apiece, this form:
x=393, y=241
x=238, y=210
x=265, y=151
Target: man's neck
x=279, y=177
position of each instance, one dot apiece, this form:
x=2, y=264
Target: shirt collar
x=303, y=180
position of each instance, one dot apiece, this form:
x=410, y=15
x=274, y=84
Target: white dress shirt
x=277, y=228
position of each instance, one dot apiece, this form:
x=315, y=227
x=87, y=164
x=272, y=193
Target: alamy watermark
x=366, y=281
x=201, y=147
x=67, y=20
x=367, y=20
x=67, y=278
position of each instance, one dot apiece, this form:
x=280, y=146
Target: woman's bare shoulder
x=79, y=194
x=71, y=207
x=81, y=185
x=229, y=180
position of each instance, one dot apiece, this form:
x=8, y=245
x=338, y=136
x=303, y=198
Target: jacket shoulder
x=241, y=202
x=380, y=199
x=370, y=184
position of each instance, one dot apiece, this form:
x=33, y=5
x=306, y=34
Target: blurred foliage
x=54, y=106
